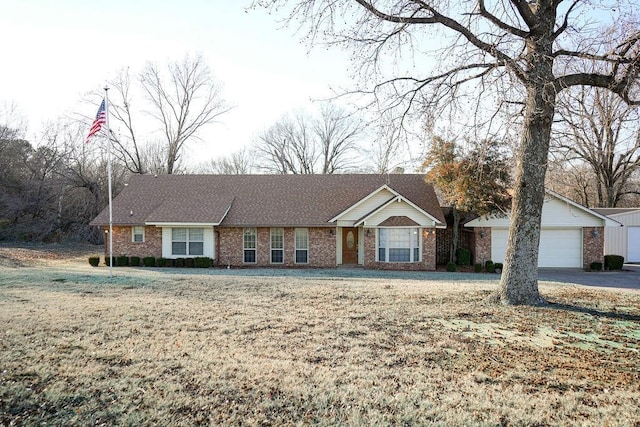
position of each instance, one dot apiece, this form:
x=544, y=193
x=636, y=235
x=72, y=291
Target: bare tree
x=302, y=144
x=337, y=133
x=237, y=163
x=601, y=131
x=518, y=52
x=183, y=102
x=128, y=148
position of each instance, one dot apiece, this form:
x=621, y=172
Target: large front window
x=187, y=241
x=249, y=245
x=277, y=245
x=398, y=245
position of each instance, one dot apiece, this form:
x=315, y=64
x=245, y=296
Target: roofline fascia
x=182, y=224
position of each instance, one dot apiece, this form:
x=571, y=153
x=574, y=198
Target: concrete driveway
x=628, y=278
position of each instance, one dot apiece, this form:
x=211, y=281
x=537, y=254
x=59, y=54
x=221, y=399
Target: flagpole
x=106, y=109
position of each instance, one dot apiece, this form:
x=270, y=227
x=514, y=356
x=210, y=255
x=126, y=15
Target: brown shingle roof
x=256, y=200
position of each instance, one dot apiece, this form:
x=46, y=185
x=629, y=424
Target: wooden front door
x=349, y=245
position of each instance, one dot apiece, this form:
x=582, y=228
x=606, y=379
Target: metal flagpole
x=106, y=109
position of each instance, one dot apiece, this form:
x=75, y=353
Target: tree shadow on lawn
x=616, y=315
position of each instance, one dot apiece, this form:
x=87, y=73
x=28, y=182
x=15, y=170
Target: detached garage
x=571, y=236
x=623, y=240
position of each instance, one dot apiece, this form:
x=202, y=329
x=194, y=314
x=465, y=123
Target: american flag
x=101, y=118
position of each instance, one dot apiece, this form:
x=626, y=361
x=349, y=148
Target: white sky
x=56, y=51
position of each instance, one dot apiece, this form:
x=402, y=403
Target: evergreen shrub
x=463, y=256
x=595, y=266
x=490, y=267
x=203, y=262
x=149, y=261
x=613, y=262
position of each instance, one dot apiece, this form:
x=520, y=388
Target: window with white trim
x=249, y=245
x=187, y=241
x=277, y=245
x=137, y=234
x=302, y=245
x=398, y=245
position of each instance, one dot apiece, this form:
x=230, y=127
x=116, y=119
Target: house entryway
x=349, y=246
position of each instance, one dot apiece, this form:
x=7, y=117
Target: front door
x=349, y=245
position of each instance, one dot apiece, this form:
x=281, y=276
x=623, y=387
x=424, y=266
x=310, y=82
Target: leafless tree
x=600, y=130
x=183, y=102
x=237, y=163
x=302, y=144
x=518, y=53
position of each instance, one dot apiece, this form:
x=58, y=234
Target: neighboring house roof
x=566, y=212
x=614, y=211
x=257, y=200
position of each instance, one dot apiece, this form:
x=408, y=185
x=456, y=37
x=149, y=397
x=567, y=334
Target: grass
x=171, y=347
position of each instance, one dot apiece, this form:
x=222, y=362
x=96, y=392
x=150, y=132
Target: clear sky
x=56, y=51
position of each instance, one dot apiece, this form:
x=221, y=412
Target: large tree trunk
x=519, y=281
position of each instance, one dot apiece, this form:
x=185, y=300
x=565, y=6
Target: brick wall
x=482, y=247
x=592, y=247
x=444, y=237
x=322, y=247
x=122, y=244
x=428, y=254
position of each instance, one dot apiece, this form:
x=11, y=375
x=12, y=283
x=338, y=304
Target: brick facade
x=428, y=254
x=444, y=238
x=592, y=246
x=123, y=244
x=481, y=251
x=229, y=248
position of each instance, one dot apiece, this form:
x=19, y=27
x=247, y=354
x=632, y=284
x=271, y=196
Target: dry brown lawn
x=188, y=347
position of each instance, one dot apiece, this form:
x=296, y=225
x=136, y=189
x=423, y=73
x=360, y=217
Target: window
x=398, y=245
x=137, y=234
x=249, y=245
x=277, y=245
x=187, y=241
x=302, y=245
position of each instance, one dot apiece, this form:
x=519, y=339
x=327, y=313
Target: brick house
x=373, y=221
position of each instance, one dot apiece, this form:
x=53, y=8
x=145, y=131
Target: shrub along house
x=374, y=221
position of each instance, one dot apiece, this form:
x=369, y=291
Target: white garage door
x=558, y=247
x=633, y=244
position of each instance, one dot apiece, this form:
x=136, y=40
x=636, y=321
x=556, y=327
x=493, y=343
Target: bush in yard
x=122, y=261
x=490, y=267
x=613, y=262
x=463, y=256
x=452, y=266
x=170, y=262
x=188, y=262
x=94, y=261
x=203, y=262
x=477, y=268
x=134, y=261
x=108, y=263
x=179, y=262
x=162, y=262
x=149, y=261
x=595, y=266
x=498, y=267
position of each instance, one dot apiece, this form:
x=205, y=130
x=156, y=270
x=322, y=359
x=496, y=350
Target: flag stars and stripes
x=101, y=118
